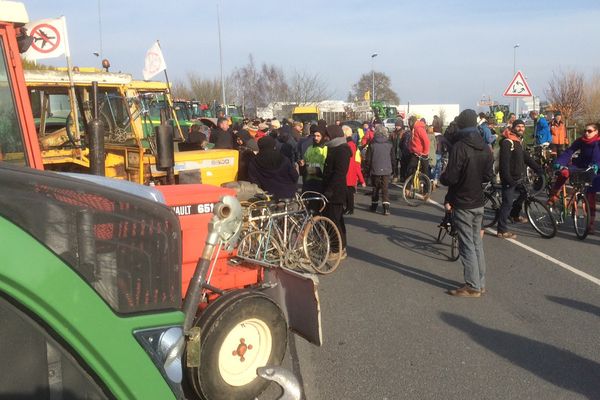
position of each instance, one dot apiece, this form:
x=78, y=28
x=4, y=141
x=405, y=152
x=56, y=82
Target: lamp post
x=514, y=72
x=221, y=60
x=373, y=74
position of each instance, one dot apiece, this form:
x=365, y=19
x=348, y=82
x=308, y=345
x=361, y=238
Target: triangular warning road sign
x=518, y=87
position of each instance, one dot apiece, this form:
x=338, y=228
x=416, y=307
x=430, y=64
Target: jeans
x=470, y=245
x=512, y=203
x=437, y=171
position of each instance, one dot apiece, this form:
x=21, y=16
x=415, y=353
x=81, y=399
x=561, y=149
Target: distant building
x=446, y=111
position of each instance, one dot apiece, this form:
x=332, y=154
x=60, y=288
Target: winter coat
x=469, y=165
x=222, y=139
x=488, y=137
x=380, y=156
x=280, y=182
x=589, y=153
x=512, y=161
x=367, y=137
x=354, y=174
x=542, y=131
x=419, y=142
x=559, y=132
x=336, y=169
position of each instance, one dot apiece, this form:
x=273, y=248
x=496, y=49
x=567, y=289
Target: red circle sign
x=45, y=38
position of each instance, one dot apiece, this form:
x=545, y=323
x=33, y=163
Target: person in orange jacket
x=418, y=145
x=559, y=134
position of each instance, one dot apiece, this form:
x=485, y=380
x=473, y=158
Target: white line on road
x=545, y=256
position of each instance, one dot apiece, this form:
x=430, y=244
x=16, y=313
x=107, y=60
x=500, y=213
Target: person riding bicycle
x=588, y=146
x=512, y=170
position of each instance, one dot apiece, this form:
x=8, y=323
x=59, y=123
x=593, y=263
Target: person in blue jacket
x=541, y=128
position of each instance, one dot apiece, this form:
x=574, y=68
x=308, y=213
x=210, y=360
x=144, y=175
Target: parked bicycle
x=573, y=204
x=448, y=235
x=417, y=187
x=288, y=234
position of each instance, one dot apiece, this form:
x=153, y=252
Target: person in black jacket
x=380, y=166
x=222, y=136
x=512, y=170
x=469, y=165
x=271, y=171
x=334, y=182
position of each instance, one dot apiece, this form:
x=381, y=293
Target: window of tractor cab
x=54, y=123
x=40, y=367
x=11, y=136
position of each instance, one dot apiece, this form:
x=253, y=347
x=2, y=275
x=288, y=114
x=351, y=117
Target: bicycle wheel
x=580, y=214
x=324, y=230
x=491, y=211
x=260, y=247
x=540, y=218
x=416, y=190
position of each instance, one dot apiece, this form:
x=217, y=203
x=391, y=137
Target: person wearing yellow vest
x=314, y=161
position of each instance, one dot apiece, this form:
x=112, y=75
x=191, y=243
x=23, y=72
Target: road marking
x=545, y=256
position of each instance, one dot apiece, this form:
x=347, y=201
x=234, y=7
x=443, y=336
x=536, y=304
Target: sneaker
x=519, y=220
x=386, y=209
x=506, y=235
x=465, y=291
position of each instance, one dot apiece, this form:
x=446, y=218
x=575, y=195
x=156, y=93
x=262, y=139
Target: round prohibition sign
x=48, y=36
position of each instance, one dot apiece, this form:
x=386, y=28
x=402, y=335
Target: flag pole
x=169, y=101
x=72, y=98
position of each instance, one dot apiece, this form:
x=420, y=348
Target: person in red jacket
x=418, y=145
x=354, y=174
x=368, y=135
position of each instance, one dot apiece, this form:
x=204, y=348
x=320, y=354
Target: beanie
x=517, y=122
x=467, y=118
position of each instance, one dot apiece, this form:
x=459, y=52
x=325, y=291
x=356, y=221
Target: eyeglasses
x=590, y=130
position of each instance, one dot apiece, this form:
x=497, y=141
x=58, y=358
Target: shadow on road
x=410, y=272
x=418, y=242
x=577, y=305
x=560, y=367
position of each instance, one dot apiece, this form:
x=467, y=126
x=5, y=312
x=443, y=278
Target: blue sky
x=433, y=51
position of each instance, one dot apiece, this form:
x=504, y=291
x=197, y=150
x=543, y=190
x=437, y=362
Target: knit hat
x=467, y=118
x=517, y=122
x=334, y=131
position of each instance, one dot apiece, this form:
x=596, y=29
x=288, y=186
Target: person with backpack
x=512, y=171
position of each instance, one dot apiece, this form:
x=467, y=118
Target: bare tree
x=245, y=81
x=565, y=93
x=306, y=88
x=180, y=90
x=383, y=90
x=591, y=110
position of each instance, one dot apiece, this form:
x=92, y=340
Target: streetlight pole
x=514, y=72
x=221, y=60
x=373, y=75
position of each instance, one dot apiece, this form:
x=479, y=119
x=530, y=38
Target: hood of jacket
x=471, y=137
x=338, y=141
x=380, y=139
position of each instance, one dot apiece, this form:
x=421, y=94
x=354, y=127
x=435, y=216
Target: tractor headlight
x=165, y=347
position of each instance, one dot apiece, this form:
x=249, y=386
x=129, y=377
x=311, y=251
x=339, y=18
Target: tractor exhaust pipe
x=96, y=137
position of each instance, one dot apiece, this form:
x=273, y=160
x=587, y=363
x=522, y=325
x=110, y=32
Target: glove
x=556, y=166
x=595, y=168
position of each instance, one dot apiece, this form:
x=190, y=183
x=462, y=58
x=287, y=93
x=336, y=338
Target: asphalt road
x=391, y=331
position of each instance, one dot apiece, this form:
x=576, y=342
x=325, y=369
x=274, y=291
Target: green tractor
x=382, y=110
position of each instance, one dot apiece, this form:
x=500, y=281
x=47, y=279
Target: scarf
x=590, y=140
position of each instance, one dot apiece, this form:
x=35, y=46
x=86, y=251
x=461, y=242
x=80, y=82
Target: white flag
x=154, y=63
x=49, y=38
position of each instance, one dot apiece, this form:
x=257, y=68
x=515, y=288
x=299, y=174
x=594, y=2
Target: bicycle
x=447, y=230
x=538, y=215
x=417, y=187
x=574, y=204
x=287, y=234
x=542, y=155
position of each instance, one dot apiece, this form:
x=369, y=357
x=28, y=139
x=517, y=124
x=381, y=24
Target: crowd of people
x=334, y=159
